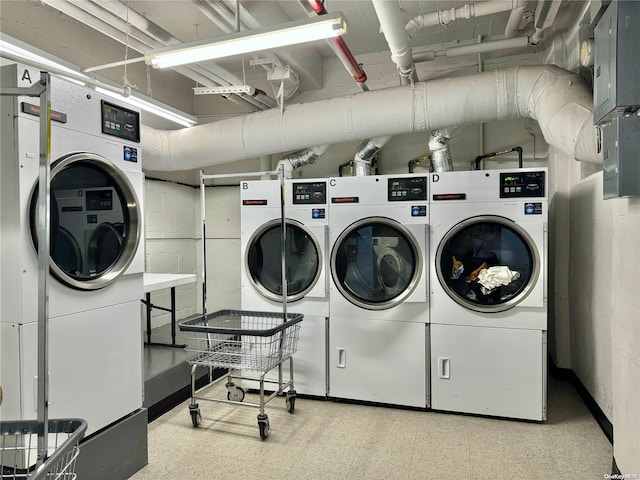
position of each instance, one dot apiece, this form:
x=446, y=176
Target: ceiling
x=90, y=33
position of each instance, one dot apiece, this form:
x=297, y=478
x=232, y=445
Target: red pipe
x=341, y=49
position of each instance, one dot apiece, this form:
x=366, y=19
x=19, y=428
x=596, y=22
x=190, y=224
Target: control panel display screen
x=120, y=122
x=99, y=200
x=313, y=193
x=522, y=184
x=407, y=189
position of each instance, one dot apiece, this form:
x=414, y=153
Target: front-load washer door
x=488, y=264
x=304, y=260
x=377, y=263
x=95, y=221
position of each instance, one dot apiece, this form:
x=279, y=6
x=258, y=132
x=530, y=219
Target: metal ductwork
x=557, y=99
x=366, y=153
x=440, y=152
x=299, y=159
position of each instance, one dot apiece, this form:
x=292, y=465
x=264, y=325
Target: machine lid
x=376, y=263
x=487, y=263
x=95, y=221
x=263, y=260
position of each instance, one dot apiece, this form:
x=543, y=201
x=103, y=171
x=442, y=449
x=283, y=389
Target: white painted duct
x=392, y=26
x=366, y=153
x=558, y=99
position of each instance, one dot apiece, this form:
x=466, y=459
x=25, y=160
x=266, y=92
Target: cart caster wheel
x=291, y=401
x=196, y=418
x=263, y=425
x=235, y=394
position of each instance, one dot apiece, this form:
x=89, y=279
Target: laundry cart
x=19, y=449
x=243, y=342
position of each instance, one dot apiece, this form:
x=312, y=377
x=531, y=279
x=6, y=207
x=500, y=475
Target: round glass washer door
x=263, y=260
x=376, y=263
x=94, y=221
x=487, y=264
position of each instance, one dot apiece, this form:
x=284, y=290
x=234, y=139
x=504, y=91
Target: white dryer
x=307, y=218
x=489, y=292
x=378, y=328
x=97, y=255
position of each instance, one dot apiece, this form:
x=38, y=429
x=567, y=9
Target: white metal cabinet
x=378, y=361
x=489, y=371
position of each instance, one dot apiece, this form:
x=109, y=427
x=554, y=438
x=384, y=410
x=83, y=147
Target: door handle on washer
x=444, y=368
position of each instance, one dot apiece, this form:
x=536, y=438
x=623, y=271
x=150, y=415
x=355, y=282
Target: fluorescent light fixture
x=224, y=90
x=150, y=106
x=18, y=51
x=264, y=38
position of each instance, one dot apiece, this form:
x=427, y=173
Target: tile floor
x=331, y=440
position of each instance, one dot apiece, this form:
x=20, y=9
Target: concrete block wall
x=170, y=227
x=601, y=276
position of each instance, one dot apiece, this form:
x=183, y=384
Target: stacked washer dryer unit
x=97, y=257
x=307, y=220
x=488, y=292
x=378, y=328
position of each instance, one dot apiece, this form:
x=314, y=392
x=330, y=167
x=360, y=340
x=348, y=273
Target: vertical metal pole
x=283, y=225
x=43, y=266
x=204, y=245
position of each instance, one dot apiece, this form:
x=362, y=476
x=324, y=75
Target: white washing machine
x=378, y=328
x=306, y=213
x=489, y=292
x=97, y=254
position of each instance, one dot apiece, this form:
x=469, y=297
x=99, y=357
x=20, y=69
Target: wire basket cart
x=242, y=342
x=19, y=450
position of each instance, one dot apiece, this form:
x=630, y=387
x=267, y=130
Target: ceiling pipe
x=472, y=49
x=445, y=17
x=392, y=26
x=365, y=154
x=546, y=12
x=515, y=18
x=342, y=51
x=557, y=99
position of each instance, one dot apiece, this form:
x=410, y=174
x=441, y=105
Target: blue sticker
x=130, y=154
x=318, y=213
x=533, y=208
x=419, y=211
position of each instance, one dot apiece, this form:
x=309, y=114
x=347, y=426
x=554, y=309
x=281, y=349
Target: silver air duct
x=440, y=152
x=366, y=153
x=299, y=159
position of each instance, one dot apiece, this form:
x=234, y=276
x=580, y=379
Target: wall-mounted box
x=617, y=61
x=621, y=157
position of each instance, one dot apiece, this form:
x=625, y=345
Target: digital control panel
x=407, y=189
x=522, y=184
x=99, y=200
x=120, y=122
x=309, y=193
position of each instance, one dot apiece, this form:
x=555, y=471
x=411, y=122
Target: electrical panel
x=617, y=63
x=621, y=149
